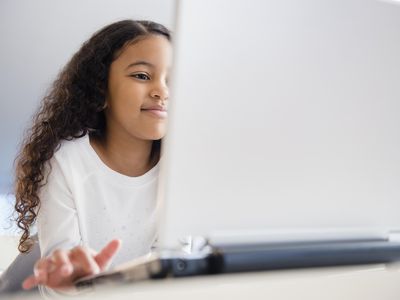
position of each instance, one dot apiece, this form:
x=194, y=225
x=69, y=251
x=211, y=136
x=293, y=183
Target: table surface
x=356, y=282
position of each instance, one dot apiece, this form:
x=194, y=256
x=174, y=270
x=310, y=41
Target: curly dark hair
x=72, y=108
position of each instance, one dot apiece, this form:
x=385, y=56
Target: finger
x=92, y=252
x=82, y=258
x=29, y=282
x=62, y=262
x=107, y=253
x=41, y=270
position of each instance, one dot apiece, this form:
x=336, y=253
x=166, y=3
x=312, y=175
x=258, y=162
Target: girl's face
x=137, y=89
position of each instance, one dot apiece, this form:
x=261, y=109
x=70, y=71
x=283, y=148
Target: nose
x=160, y=92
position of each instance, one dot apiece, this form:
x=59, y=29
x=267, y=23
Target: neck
x=128, y=156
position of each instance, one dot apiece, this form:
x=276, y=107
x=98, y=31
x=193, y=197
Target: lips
x=156, y=111
x=155, y=107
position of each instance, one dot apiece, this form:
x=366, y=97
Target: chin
x=154, y=136
x=149, y=133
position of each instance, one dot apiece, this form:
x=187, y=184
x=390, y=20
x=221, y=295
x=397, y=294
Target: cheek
x=127, y=93
x=127, y=104
x=131, y=116
x=124, y=113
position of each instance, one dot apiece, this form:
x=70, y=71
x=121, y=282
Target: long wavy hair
x=72, y=108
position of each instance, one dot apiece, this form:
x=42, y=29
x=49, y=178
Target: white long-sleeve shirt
x=86, y=203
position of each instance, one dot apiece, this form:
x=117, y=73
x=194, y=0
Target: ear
x=106, y=97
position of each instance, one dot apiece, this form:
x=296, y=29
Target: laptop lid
x=284, y=117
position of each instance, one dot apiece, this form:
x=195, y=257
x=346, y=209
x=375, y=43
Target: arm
x=64, y=258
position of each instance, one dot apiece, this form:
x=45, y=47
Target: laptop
x=283, y=148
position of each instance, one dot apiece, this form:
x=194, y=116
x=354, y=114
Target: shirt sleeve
x=57, y=221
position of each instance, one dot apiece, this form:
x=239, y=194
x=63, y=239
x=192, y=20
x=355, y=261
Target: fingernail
x=39, y=274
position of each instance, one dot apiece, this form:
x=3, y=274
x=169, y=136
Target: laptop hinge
x=394, y=235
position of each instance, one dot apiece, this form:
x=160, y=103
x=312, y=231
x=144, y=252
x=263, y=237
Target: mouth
x=156, y=112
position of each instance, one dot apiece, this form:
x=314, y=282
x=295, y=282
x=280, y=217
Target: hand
x=63, y=267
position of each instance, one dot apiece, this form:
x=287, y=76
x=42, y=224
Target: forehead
x=155, y=49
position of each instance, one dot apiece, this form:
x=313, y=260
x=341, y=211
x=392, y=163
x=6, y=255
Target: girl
x=88, y=169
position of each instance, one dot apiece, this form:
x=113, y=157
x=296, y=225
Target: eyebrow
x=140, y=62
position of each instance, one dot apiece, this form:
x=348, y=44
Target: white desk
x=356, y=283
x=8, y=247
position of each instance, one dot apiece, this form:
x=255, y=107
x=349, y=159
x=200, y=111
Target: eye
x=141, y=76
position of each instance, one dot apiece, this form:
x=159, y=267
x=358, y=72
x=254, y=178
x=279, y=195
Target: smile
x=160, y=114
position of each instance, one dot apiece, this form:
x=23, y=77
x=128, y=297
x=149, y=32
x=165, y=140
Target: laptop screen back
x=284, y=115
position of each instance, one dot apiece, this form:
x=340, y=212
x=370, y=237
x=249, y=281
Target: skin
x=137, y=82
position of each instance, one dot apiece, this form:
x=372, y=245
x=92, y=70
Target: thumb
x=104, y=257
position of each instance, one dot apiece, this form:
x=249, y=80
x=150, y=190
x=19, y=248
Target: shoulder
x=72, y=156
x=69, y=166
x=72, y=148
